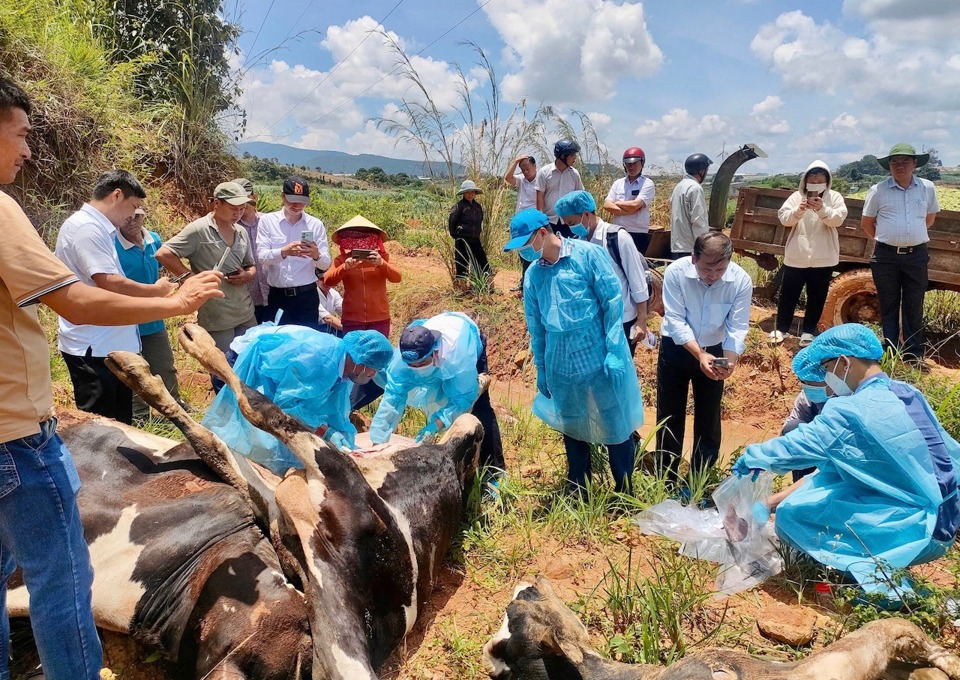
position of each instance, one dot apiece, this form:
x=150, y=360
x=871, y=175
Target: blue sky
x=819, y=79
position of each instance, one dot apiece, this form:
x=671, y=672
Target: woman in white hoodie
x=813, y=214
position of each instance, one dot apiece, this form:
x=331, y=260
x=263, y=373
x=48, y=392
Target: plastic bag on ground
x=735, y=534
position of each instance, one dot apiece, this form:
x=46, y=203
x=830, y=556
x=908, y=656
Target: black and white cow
x=541, y=639
x=236, y=573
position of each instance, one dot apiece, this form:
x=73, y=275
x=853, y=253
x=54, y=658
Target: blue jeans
x=40, y=532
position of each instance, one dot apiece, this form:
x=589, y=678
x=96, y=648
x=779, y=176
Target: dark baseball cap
x=296, y=190
x=245, y=183
x=417, y=342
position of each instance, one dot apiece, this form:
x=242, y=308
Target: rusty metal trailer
x=758, y=233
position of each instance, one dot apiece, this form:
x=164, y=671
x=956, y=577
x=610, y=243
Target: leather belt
x=900, y=250
x=296, y=290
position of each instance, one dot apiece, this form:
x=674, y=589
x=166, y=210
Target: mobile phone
x=306, y=236
x=178, y=279
x=360, y=254
x=233, y=273
x=811, y=194
x=721, y=362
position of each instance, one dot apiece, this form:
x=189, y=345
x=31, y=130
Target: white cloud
x=768, y=105
x=601, y=121
x=573, y=51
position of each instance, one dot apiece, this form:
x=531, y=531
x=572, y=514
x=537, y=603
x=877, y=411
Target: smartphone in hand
x=360, y=254
x=306, y=236
x=721, y=362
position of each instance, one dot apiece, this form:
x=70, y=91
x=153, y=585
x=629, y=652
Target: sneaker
x=806, y=339
x=776, y=337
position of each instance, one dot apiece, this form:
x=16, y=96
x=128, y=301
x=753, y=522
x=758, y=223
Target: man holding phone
x=292, y=244
x=706, y=300
x=216, y=242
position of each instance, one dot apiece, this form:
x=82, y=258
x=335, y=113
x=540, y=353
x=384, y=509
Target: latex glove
x=542, y=383
x=761, y=513
x=340, y=441
x=741, y=470
x=614, y=369
x=429, y=430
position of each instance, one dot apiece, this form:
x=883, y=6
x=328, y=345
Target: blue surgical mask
x=529, y=253
x=815, y=394
x=580, y=231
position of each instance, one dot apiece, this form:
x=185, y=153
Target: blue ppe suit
x=443, y=392
x=574, y=315
x=299, y=369
x=885, y=493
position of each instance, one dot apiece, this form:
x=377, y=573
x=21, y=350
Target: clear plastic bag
x=735, y=534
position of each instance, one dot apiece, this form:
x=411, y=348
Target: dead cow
x=541, y=639
x=212, y=571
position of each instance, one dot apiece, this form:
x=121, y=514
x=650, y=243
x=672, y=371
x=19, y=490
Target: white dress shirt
x=526, y=192
x=331, y=303
x=708, y=314
x=688, y=215
x=273, y=233
x=86, y=245
x=623, y=190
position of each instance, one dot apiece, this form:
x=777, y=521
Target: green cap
x=903, y=149
x=231, y=192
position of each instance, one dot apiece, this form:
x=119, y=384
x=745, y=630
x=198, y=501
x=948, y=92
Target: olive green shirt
x=202, y=246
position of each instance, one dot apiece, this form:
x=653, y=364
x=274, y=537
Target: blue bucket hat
x=849, y=340
x=369, y=348
x=522, y=226
x=575, y=203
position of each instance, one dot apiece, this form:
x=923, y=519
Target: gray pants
x=159, y=356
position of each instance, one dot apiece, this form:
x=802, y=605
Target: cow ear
x=570, y=649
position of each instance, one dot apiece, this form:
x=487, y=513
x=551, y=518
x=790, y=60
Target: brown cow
x=541, y=639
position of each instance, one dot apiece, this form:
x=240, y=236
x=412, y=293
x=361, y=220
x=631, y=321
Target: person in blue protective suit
x=308, y=374
x=586, y=384
x=885, y=492
x=436, y=369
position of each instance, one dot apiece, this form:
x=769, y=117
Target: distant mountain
x=337, y=161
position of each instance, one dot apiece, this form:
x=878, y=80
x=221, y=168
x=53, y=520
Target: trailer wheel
x=656, y=292
x=852, y=299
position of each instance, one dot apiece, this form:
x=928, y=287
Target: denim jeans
x=40, y=532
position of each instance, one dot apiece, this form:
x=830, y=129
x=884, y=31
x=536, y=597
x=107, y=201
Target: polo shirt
x=275, y=232
x=201, y=244
x=625, y=190
x=86, y=245
x=28, y=271
x=901, y=213
x=711, y=315
x=140, y=265
x=554, y=184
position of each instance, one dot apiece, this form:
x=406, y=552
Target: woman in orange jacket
x=363, y=266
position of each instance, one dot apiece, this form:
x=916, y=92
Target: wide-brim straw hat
x=903, y=149
x=358, y=222
x=468, y=185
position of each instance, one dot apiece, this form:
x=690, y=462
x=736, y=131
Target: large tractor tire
x=852, y=299
x=656, y=292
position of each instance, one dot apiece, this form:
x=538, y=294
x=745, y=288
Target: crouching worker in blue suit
x=884, y=496
x=586, y=383
x=436, y=370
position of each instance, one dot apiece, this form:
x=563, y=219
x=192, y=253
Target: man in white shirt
x=629, y=199
x=898, y=213
x=578, y=211
x=290, y=245
x=556, y=180
x=706, y=301
x=688, y=207
x=331, y=307
x=86, y=246
x=526, y=183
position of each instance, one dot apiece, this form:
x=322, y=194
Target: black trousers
x=578, y=464
x=491, y=448
x=676, y=371
x=641, y=241
x=817, y=281
x=901, y=281
x=302, y=309
x=97, y=390
x=467, y=250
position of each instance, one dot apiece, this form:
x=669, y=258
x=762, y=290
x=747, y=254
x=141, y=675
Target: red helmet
x=634, y=154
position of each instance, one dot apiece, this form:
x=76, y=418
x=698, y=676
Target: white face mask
x=819, y=188
x=837, y=384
